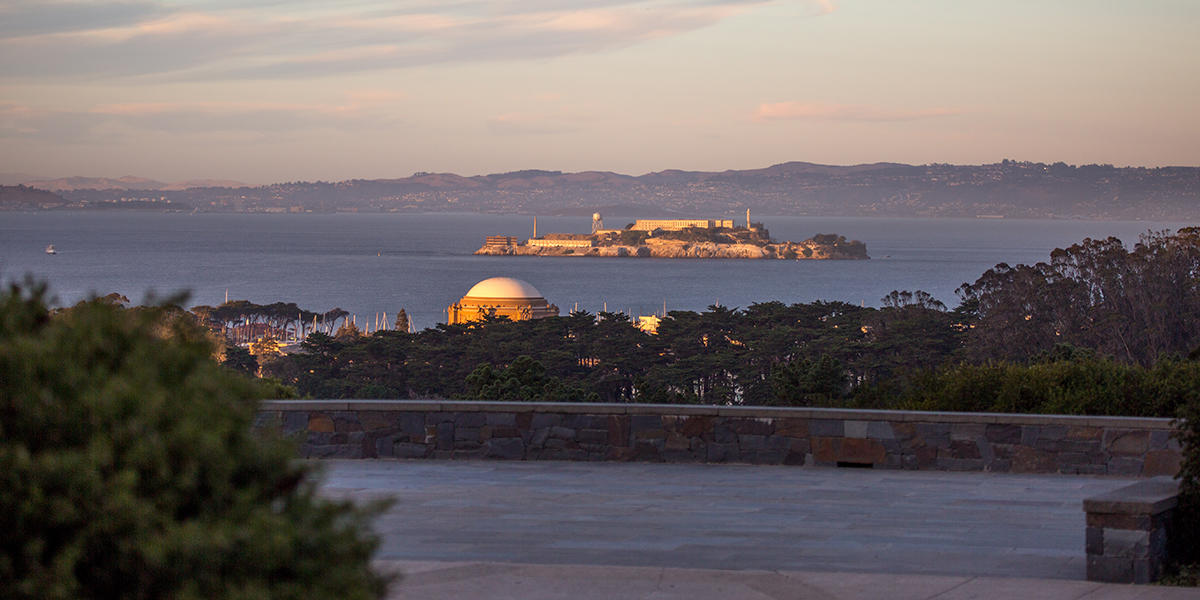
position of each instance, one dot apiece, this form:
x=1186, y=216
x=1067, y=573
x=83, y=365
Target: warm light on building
x=501, y=297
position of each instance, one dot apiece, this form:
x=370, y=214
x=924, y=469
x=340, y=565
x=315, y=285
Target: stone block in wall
x=1030, y=435
x=967, y=431
x=649, y=434
x=619, y=431
x=850, y=450
x=592, y=436
x=1159, y=439
x=829, y=428
x=1124, y=465
x=677, y=442
x=905, y=432
x=998, y=465
x=1031, y=460
x=376, y=420
x=792, y=427
x=346, y=420
x=862, y=451
x=1072, y=446
x=855, y=429
x=1125, y=442
x=583, y=421
x=762, y=427
x=1052, y=432
x=925, y=457
x=466, y=434
x=412, y=424
x=524, y=421
x=319, y=422
x=1161, y=462
x=268, y=419
x=748, y=441
x=999, y=433
x=470, y=419
x=934, y=434
x=562, y=433
x=1078, y=432
x=294, y=421
x=765, y=456
x=546, y=420
x=880, y=430
x=501, y=419
x=696, y=426
x=385, y=446
x=964, y=448
x=648, y=450
x=445, y=436
x=723, y=433
x=719, y=453
x=506, y=448
x=638, y=423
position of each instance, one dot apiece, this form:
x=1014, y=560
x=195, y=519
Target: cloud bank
x=817, y=111
x=222, y=39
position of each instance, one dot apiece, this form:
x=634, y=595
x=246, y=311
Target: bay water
x=370, y=264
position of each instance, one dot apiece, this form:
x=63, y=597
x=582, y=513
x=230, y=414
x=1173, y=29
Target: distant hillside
x=19, y=197
x=1009, y=189
x=126, y=183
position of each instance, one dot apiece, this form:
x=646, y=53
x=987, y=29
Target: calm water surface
x=370, y=264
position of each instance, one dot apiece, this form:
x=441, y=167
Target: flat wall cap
x=753, y=412
x=1149, y=497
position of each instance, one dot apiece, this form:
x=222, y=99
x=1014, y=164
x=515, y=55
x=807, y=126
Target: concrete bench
x=1127, y=531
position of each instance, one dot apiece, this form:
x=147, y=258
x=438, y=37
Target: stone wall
x=1127, y=531
x=759, y=435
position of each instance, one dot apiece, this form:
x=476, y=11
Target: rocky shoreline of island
x=677, y=238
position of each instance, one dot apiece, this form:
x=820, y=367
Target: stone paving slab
x=595, y=582
x=737, y=517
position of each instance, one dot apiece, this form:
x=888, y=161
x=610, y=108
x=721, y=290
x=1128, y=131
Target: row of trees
x=1096, y=312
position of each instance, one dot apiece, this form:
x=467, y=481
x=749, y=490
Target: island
x=676, y=238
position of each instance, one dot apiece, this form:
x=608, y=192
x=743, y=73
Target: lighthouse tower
x=747, y=218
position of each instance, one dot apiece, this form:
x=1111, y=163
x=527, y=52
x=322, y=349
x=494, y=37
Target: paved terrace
x=599, y=530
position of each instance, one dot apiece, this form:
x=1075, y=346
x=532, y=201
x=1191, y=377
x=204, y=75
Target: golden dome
x=503, y=287
x=501, y=297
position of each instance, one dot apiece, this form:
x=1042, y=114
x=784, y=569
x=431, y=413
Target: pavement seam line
x=952, y=588
x=823, y=593
x=1098, y=587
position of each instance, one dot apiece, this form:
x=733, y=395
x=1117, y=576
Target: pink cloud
x=819, y=111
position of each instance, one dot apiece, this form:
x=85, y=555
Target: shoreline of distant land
x=1008, y=189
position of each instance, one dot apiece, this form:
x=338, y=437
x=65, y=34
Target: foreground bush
x=1185, y=532
x=128, y=469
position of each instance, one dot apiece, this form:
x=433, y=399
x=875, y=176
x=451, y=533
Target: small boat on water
x=50, y=249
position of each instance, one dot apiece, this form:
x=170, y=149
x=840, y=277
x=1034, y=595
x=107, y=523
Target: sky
x=287, y=90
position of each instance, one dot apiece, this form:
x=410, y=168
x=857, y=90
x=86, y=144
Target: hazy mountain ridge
x=1008, y=188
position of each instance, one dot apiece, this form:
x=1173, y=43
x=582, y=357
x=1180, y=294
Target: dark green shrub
x=128, y=469
x=1185, y=532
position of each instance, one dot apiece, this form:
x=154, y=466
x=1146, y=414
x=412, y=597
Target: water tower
x=597, y=223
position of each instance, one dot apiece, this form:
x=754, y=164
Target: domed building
x=503, y=297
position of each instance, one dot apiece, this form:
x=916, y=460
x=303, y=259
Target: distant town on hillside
x=1009, y=189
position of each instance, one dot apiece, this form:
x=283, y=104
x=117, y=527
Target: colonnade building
x=501, y=297
x=677, y=224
